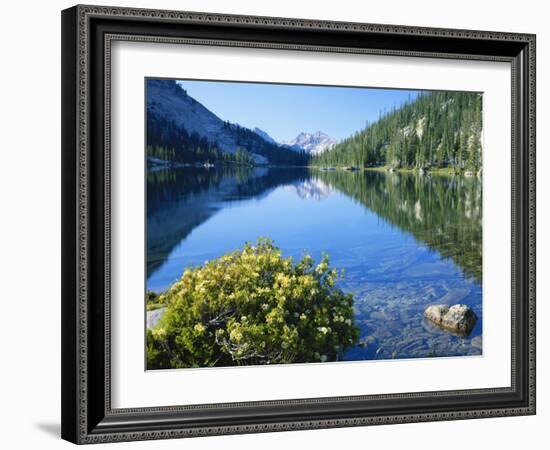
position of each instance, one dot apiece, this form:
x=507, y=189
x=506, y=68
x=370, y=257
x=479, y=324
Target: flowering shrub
x=253, y=306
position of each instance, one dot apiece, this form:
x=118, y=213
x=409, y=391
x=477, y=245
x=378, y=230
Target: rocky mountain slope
x=266, y=137
x=187, y=129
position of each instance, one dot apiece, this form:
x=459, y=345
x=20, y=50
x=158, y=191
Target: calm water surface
x=405, y=241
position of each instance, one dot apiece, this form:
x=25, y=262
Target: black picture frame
x=87, y=33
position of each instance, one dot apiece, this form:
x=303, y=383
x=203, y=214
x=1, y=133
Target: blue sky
x=283, y=111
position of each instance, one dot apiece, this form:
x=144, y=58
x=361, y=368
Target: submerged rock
x=457, y=319
x=476, y=342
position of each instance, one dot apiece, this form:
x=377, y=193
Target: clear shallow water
x=405, y=241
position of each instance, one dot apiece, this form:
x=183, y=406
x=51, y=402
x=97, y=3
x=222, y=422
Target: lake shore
x=157, y=164
x=449, y=171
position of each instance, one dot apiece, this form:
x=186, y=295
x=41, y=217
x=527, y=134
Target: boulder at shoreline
x=458, y=319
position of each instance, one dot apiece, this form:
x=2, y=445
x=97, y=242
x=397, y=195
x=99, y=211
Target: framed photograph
x=279, y=224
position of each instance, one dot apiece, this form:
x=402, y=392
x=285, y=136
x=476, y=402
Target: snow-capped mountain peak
x=312, y=143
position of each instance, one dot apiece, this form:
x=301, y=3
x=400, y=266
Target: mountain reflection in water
x=404, y=240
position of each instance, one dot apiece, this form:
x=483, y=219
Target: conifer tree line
x=436, y=129
x=168, y=141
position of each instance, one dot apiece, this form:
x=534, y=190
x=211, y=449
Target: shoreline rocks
x=458, y=319
x=154, y=316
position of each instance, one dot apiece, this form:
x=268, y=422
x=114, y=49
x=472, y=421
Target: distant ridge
x=266, y=137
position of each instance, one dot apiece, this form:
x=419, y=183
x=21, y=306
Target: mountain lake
x=405, y=241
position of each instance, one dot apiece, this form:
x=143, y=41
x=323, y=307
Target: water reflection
x=180, y=200
x=405, y=241
x=441, y=211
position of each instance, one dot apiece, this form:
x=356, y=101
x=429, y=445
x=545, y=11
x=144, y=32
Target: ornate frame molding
x=87, y=422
